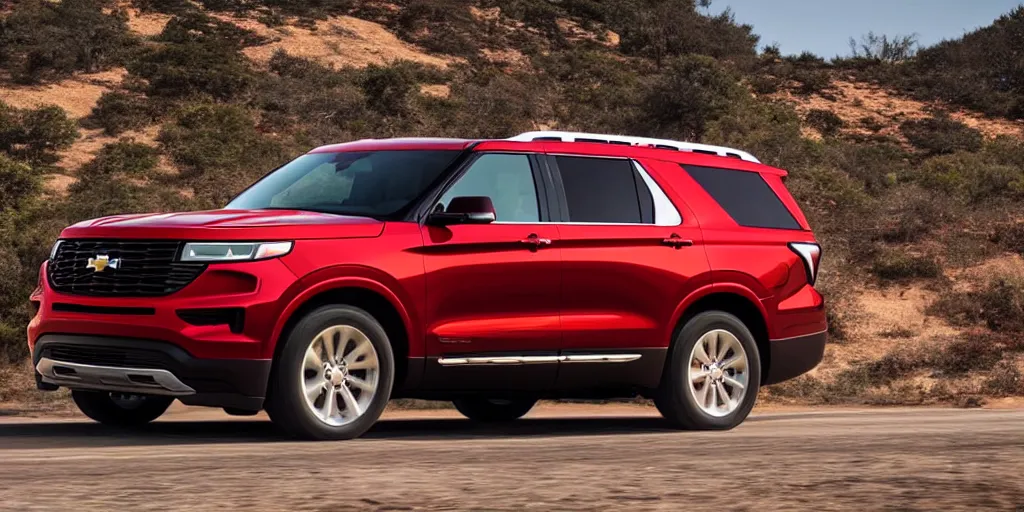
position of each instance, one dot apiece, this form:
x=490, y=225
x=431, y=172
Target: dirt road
x=878, y=459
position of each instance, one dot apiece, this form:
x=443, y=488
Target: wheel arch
x=371, y=296
x=735, y=300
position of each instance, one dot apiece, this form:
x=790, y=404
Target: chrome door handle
x=535, y=242
x=676, y=241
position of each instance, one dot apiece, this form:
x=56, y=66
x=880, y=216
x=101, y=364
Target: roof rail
x=635, y=141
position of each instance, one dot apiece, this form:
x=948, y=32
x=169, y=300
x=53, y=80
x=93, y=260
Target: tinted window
x=744, y=196
x=375, y=183
x=603, y=190
x=507, y=180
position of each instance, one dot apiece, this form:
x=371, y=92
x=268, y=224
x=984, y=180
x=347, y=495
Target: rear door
x=629, y=256
x=493, y=290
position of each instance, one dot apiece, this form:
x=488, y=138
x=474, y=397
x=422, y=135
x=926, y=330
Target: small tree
x=884, y=48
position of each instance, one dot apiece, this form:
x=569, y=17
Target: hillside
x=912, y=182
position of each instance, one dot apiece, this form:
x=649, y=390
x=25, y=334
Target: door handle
x=676, y=241
x=535, y=242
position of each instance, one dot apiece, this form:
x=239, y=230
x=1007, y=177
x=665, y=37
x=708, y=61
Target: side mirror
x=465, y=210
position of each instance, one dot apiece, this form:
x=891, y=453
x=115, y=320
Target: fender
x=351, y=276
x=709, y=289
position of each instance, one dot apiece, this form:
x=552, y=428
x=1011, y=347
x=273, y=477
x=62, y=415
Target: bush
x=825, y=121
x=975, y=352
x=812, y=81
x=117, y=112
x=941, y=135
x=201, y=57
x=973, y=176
x=897, y=265
x=691, y=92
x=1002, y=305
x=1005, y=379
x=120, y=160
x=18, y=183
x=43, y=40
x=1010, y=237
x=389, y=89
x=35, y=134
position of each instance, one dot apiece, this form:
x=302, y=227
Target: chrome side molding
x=110, y=378
x=519, y=360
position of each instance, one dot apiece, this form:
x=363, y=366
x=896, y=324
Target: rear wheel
x=120, y=409
x=713, y=374
x=334, y=375
x=494, y=409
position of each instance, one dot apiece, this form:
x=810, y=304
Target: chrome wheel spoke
x=734, y=383
x=352, y=407
x=331, y=391
x=717, y=373
x=361, y=384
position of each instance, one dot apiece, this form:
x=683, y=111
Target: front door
x=493, y=290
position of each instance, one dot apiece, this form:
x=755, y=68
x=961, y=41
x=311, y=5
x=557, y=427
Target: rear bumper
x=791, y=357
x=147, y=366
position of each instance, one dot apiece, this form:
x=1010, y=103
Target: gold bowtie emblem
x=101, y=262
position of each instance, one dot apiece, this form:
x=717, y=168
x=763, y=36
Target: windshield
x=371, y=184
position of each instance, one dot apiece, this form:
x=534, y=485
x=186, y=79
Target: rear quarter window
x=744, y=196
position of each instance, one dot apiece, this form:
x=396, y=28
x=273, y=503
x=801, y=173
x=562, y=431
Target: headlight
x=229, y=251
x=53, y=250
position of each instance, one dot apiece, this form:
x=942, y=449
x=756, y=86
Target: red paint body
x=471, y=288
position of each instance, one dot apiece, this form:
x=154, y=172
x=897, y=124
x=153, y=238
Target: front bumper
x=149, y=367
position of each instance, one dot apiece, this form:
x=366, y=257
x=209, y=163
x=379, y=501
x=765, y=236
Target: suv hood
x=228, y=225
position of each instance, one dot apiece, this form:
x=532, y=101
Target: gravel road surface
x=619, y=458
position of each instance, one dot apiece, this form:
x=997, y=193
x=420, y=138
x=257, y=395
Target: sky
x=824, y=27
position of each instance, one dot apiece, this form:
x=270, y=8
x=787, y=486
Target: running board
x=110, y=378
x=519, y=360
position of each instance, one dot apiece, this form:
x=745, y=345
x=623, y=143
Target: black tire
x=493, y=410
x=124, y=410
x=674, y=398
x=286, y=404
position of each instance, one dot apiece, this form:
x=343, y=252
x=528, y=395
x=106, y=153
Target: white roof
x=635, y=141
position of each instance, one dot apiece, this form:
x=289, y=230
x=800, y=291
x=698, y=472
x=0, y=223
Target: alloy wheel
x=340, y=374
x=718, y=373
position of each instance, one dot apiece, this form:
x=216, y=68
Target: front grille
x=107, y=356
x=146, y=268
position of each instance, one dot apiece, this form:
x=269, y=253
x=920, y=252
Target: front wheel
x=120, y=409
x=334, y=375
x=494, y=410
x=713, y=374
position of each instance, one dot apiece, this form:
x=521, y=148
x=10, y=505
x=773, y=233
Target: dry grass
x=77, y=95
x=341, y=41
x=92, y=140
x=18, y=394
x=146, y=24
x=854, y=102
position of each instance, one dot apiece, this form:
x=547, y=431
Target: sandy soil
x=557, y=459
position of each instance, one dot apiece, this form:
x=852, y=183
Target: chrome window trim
x=521, y=360
x=665, y=213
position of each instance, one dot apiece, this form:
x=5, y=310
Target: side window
x=507, y=180
x=744, y=196
x=604, y=190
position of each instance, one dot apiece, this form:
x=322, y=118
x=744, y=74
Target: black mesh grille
x=145, y=268
x=108, y=356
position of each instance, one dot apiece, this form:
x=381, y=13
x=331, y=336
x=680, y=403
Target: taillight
x=810, y=253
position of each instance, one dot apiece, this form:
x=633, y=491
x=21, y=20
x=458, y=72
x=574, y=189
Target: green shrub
x=1010, y=237
x=18, y=183
x=972, y=176
x=941, y=135
x=43, y=40
x=389, y=89
x=122, y=159
x=117, y=112
x=812, y=81
x=825, y=121
x=201, y=56
x=691, y=92
x=35, y=134
x=896, y=265
x=500, y=107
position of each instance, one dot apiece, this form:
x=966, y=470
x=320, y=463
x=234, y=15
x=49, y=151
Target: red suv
x=491, y=273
